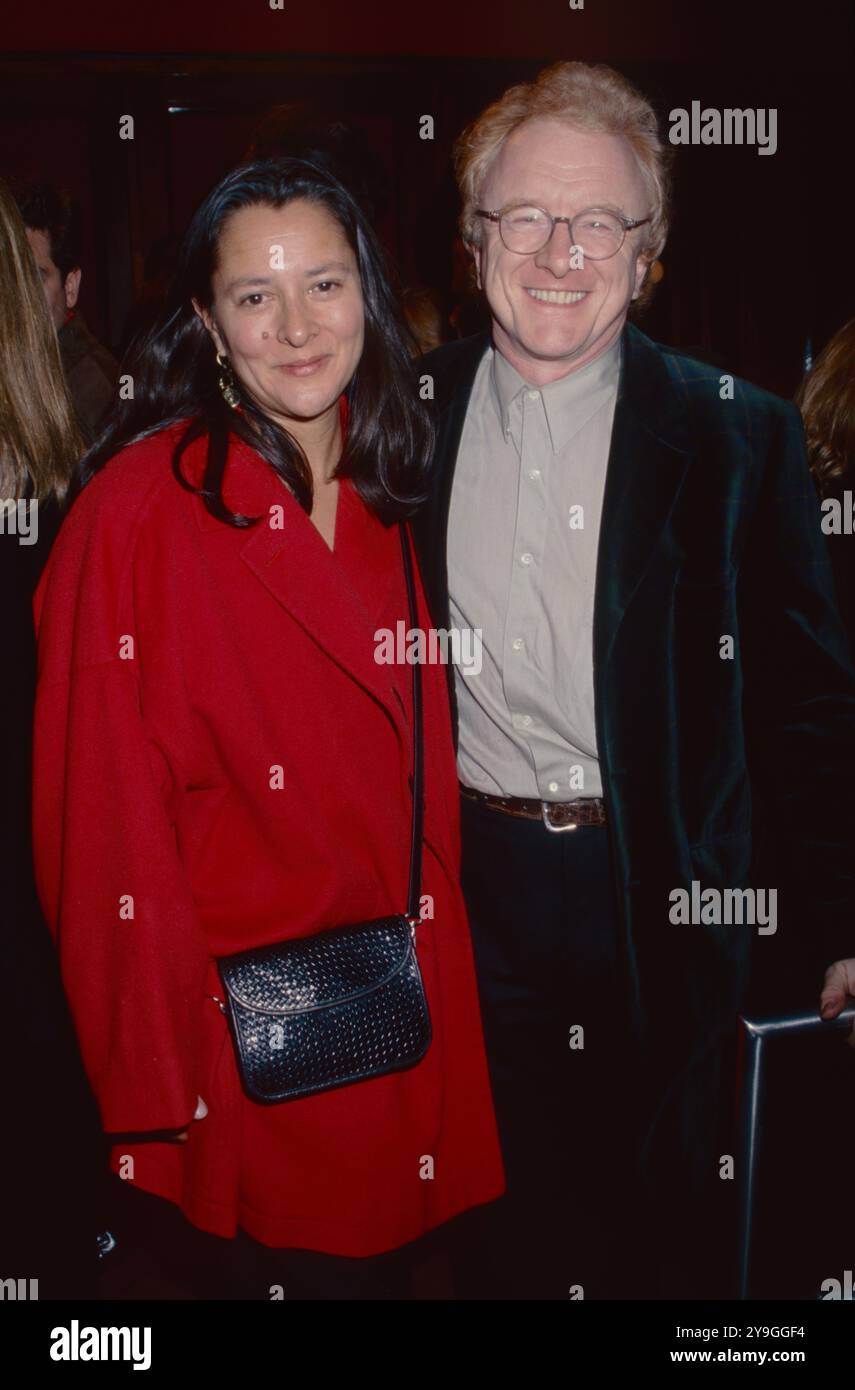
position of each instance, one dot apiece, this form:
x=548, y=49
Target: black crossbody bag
x=347, y=1004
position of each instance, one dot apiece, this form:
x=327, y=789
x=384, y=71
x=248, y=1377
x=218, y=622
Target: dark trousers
x=161, y=1255
x=561, y=1056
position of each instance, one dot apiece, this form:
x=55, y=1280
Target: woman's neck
x=320, y=439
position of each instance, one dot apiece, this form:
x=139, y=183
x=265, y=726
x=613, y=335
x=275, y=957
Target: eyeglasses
x=597, y=233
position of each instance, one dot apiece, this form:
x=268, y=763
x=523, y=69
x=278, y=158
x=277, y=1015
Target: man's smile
x=557, y=296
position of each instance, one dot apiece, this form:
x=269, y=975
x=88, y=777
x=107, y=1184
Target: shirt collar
x=568, y=403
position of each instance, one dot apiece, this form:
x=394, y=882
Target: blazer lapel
x=454, y=403
x=650, y=452
x=453, y=387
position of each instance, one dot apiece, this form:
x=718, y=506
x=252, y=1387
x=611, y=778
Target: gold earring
x=227, y=383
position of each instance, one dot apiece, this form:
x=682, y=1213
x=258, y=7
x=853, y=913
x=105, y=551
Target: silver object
x=556, y=829
x=106, y=1243
x=755, y=1035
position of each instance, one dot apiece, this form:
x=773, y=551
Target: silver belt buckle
x=556, y=829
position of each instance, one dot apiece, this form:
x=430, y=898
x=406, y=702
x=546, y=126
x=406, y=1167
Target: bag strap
x=414, y=896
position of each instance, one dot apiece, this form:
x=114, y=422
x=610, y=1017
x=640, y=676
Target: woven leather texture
x=328, y=1010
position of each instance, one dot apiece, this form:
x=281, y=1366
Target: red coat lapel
x=340, y=598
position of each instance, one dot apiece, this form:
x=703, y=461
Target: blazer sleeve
x=131, y=949
x=799, y=697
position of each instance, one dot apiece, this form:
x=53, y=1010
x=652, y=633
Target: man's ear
x=72, y=287
x=476, y=258
x=642, y=266
x=655, y=271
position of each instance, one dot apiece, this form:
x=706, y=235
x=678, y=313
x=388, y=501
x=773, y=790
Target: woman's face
x=287, y=307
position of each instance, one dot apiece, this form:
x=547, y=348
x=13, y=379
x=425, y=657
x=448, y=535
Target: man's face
x=59, y=296
x=553, y=166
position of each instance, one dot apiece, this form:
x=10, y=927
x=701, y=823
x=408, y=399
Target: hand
x=202, y=1110
x=837, y=992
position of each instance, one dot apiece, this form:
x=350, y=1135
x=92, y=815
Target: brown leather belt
x=556, y=815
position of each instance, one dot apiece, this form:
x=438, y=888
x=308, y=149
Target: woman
x=221, y=763
x=49, y=1224
x=826, y=399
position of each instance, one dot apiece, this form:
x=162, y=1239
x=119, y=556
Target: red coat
x=152, y=783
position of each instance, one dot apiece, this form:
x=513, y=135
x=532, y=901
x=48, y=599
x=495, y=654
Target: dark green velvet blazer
x=728, y=772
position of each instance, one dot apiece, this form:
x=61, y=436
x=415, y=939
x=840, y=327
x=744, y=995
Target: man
x=53, y=230
x=664, y=677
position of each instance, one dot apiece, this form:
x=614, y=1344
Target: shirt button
x=553, y=786
x=517, y=644
x=534, y=474
x=533, y=395
x=526, y=720
x=526, y=558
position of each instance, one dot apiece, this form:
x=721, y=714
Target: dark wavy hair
x=175, y=373
x=53, y=211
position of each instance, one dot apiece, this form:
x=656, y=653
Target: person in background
x=826, y=399
x=52, y=220
x=423, y=313
x=52, y=1144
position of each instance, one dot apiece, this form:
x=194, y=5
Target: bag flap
x=315, y=972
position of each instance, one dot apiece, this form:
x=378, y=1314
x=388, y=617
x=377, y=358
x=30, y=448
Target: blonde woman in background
x=50, y=1219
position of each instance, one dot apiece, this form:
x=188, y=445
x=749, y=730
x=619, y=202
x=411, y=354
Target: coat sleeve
x=132, y=952
x=800, y=699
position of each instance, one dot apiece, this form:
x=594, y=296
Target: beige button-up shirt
x=522, y=550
